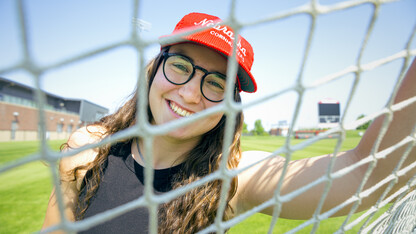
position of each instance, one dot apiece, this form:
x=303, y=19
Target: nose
x=191, y=91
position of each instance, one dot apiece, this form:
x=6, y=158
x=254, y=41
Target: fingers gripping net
x=400, y=218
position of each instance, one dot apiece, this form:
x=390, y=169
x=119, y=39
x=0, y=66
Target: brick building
x=19, y=113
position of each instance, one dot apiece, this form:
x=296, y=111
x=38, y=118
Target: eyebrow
x=183, y=53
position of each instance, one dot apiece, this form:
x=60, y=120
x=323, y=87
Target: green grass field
x=25, y=190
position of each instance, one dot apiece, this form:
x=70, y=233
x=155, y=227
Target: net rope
x=401, y=216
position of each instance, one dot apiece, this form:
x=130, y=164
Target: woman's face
x=169, y=101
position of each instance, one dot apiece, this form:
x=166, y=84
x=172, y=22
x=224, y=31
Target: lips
x=178, y=110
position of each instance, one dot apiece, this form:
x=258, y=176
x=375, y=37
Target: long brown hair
x=194, y=210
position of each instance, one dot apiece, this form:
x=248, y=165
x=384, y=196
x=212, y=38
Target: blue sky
x=61, y=29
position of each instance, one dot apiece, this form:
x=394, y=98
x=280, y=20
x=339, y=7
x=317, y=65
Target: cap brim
x=246, y=81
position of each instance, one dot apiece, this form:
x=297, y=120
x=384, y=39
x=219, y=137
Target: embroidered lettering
x=242, y=49
x=225, y=31
x=205, y=22
x=230, y=43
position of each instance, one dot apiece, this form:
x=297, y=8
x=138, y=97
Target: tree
x=258, y=129
x=364, y=126
x=245, y=130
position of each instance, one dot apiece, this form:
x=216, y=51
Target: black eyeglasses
x=179, y=69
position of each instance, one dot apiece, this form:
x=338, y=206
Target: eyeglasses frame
x=166, y=55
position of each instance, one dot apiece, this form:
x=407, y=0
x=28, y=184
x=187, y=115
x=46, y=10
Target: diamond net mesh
x=400, y=217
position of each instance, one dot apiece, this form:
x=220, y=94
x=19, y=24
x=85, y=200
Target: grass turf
x=25, y=190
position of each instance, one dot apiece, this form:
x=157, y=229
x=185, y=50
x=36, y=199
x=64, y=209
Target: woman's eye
x=216, y=85
x=181, y=67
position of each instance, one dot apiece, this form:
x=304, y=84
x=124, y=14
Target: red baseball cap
x=219, y=37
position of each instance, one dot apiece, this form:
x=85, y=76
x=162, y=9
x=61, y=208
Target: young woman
x=185, y=78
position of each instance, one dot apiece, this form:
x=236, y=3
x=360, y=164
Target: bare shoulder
x=251, y=157
x=256, y=166
x=86, y=135
x=255, y=163
x=82, y=137
x=71, y=183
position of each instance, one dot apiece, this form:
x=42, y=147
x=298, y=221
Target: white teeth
x=179, y=110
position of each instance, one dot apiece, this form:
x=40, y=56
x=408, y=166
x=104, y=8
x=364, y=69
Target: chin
x=183, y=135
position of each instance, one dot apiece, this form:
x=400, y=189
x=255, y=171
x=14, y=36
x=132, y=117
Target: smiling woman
x=188, y=77
x=184, y=78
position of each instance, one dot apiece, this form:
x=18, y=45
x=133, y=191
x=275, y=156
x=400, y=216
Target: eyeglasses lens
x=179, y=70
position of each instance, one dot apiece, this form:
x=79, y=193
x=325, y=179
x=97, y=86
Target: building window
x=59, y=127
x=69, y=128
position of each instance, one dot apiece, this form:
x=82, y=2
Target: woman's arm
x=53, y=215
x=69, y=184
x=258, y=183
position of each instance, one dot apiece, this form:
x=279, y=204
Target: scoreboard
x=329, y=109
x=329, y=113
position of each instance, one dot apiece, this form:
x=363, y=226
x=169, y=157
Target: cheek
x=212, y=121
x=154, y=98
x=160, y=84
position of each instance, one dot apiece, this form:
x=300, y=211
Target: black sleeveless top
x=123, y=181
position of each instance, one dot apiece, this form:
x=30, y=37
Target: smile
x=179, y=111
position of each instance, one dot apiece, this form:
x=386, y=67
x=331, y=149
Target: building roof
x=32, y=89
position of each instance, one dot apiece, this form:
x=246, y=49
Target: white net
x=400, y=218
